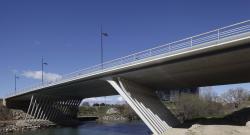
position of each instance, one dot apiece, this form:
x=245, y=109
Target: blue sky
x=66, y=33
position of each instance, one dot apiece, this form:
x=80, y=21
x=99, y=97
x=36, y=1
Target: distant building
x=171, y=95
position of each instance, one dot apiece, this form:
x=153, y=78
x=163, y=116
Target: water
x=93, y=128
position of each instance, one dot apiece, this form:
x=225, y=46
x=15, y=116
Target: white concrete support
x=32, y=110
x=69, y=109
x=37, y=105
x=40, y=105
x=55, y=109
x=29, y=108
x=35, y=109
x=50, y=110
x=4, y=102
x=46, y=110
x=66, y=104
x=146, y=104
x=63, y=105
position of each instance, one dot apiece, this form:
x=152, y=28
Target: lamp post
x=102, y=34
x=43, y=63
x=16, y=77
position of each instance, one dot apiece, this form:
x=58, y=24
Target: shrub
x=189, y=106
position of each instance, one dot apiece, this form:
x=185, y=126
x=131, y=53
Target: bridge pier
x=146, y=104
x=60, y=110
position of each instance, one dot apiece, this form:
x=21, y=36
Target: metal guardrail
x=204, y=39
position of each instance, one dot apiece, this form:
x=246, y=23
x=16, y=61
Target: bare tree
x=235, y=96
x=209, y=95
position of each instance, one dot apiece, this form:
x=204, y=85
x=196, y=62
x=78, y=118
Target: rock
x=194, y=126
x=248, y=124
x=112, y=111
x=114, y=118
x=22, y=123
x=2, y=124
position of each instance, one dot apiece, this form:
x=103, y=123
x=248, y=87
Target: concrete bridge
x=221, y=56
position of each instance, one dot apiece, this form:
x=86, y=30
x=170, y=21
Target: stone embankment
x=12, y=120
x=22, y=125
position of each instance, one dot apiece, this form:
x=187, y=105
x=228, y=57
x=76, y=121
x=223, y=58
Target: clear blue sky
x=66, y=33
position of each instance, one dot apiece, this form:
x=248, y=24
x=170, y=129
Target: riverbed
x=94, y=128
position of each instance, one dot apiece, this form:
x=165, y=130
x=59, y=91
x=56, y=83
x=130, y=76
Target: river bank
x=22, y=126
x=13, y=120
x=197, y=129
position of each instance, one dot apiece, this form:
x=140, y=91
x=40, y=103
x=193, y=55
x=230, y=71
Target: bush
x=189, y=106
x=5, y=113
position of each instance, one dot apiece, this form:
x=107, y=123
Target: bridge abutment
x=146, y=104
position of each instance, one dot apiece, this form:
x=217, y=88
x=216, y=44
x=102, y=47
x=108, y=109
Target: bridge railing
x=237, y=30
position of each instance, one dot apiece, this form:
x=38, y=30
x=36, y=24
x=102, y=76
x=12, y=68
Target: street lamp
x=43, y=63
x=102, y=34
x=16, y=77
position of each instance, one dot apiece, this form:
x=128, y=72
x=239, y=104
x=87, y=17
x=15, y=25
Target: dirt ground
x=237, y=123
x=210, y=130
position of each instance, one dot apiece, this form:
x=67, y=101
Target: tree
x=235, y=96
x=209, y=95
x=102, y=104
x=96, y=104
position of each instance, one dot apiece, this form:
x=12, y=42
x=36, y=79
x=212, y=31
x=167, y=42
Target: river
x=93, y=128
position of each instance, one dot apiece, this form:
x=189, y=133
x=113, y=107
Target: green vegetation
x=185, y=107
x=189, y=106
